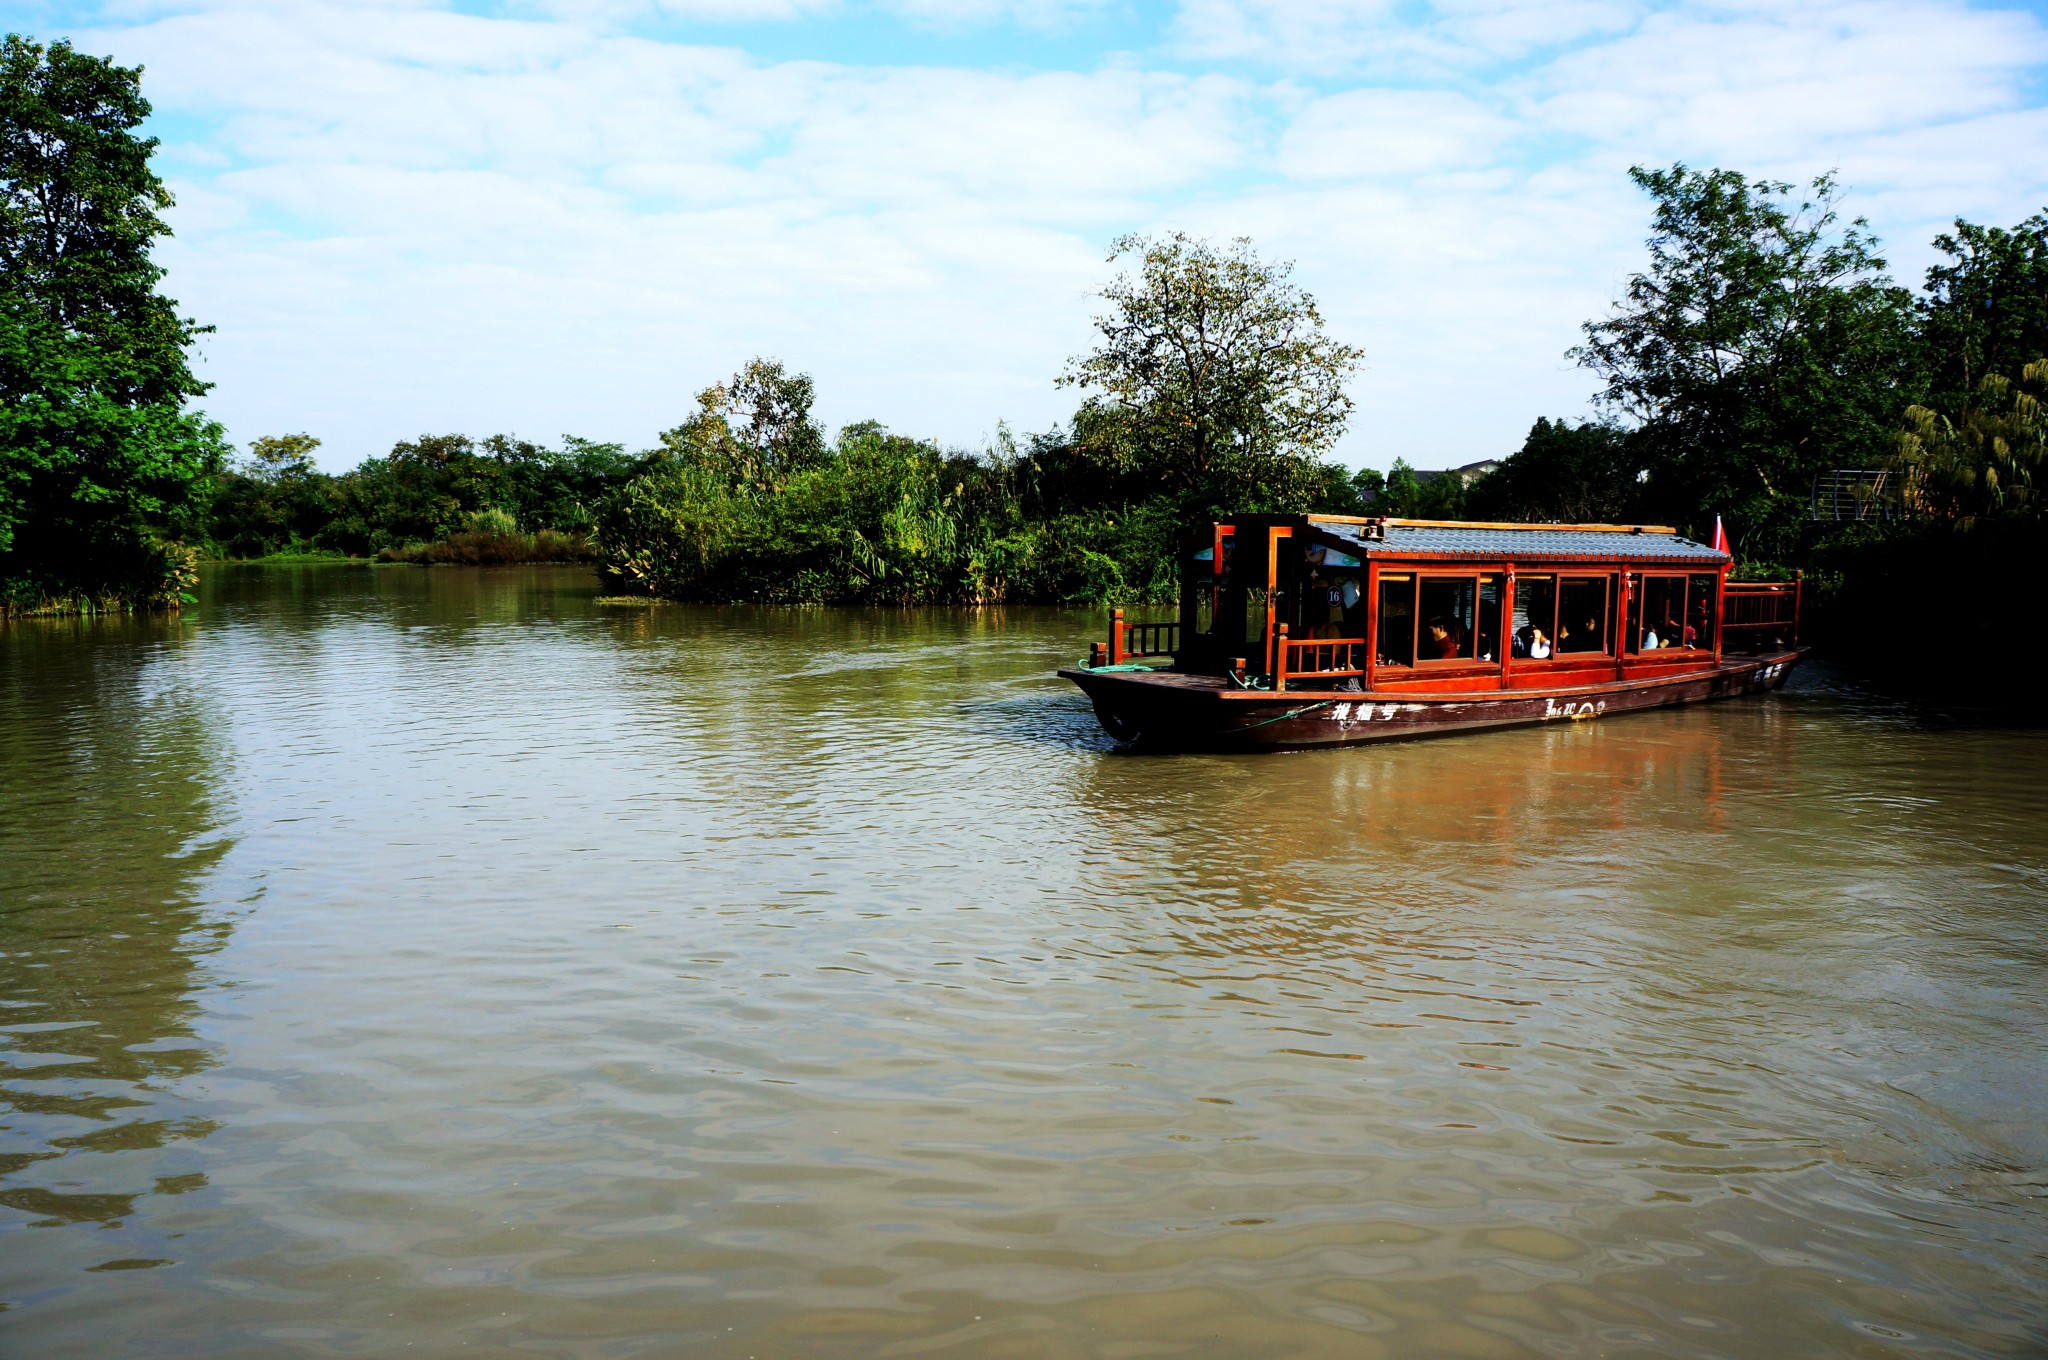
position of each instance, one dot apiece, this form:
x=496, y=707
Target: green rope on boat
x=1293, y=713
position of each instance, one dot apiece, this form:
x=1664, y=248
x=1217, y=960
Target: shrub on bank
x=880, y=519
x=495, y=541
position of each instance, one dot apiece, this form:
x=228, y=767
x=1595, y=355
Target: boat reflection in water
x=1322, y=630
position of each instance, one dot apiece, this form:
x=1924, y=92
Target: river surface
x=439, y=962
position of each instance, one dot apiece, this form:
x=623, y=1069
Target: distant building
x=1467, y=474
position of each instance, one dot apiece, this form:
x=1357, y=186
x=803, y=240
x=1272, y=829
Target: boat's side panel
x=1152, y=714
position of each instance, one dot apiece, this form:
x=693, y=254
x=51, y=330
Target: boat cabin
x=1343, y=604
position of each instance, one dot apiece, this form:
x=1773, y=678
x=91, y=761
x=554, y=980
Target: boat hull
x=1162, y=710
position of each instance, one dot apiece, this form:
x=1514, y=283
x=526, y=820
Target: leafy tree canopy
x=1586, y=473
x=755, y=429
x=1987, y=462
x=283, y=455
x=1213, y=374
x=102, y=471
x=1763, y=343
x=1986, y=310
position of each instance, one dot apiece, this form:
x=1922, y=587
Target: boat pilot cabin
x=1335, y=603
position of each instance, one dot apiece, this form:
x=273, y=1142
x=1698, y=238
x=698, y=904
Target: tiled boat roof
x=1535, y=542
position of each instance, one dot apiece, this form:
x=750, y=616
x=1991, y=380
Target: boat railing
x=1315, y=658
x=1760, y=615
x=1135, y=641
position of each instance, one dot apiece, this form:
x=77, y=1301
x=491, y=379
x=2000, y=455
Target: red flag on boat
x=1720, y=536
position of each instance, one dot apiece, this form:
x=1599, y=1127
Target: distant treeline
x=439, y=498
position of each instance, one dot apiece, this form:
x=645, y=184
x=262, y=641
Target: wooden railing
x=1315, y=658
x=1760, y=614
x=1134, y=641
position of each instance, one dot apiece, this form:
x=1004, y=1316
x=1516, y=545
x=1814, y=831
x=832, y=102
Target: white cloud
x=1384, y=36
x=1371, y=134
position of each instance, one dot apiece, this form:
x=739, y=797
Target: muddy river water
x=440, y=962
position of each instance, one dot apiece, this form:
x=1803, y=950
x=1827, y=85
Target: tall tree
x=754, y=429
x=1986, y=309
x=1214, y=370
x=1763, y=344
x=102, y=469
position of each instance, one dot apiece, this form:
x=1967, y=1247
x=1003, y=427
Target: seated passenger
x=1442, y=643
x=1539, y=645
x=1650, y=642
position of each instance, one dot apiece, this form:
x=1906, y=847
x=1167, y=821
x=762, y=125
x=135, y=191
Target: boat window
x=1535, y=621
x=1446, y=611
x=1488, y=628
x=1632, y=624
x=1702, y=592
x=1397, y=621
x=1331, y=603
x=1662, y=611
x=1582, y=614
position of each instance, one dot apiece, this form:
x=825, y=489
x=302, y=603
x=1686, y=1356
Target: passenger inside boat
x=1443, y=642
x=1447, y=601
x=1581, y=607
x=1700, y=596
x=1535, y=621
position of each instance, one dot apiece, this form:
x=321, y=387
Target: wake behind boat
x=1327, y=630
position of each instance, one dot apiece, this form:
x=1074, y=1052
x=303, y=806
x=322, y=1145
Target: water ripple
x=436, y=959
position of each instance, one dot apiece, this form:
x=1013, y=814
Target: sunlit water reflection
x=439, y=962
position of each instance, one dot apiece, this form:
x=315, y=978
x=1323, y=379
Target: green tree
x=1763, y=344
x=1214, y=375
x=276, y=501
x=283, y=455
x=1588, y=473
x=1405, y=493
x=103, y=471
x=1986, y=310
x=1986, y=463
x=754, y=429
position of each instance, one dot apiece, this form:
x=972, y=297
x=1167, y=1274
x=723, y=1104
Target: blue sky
x=568, y=215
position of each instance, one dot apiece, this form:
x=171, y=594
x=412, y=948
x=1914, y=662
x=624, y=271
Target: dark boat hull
x=1162, y=710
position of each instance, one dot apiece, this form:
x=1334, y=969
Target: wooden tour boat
x=1325, y=630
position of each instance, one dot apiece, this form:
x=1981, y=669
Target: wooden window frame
x=1560, y=573
x=1378, y=620
x=1417, y=665
x=1684, y=577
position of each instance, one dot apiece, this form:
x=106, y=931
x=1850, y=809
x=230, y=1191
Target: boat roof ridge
x=1534, y=526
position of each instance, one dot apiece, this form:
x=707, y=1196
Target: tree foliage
x=1214, y=376
x=102, y=469
x=1584, y=473
x=1986, y=463
x=876, y=517
x=755, y=429
x=424, y=491
x=1763, y=343
x=1986, y=309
